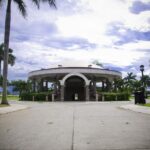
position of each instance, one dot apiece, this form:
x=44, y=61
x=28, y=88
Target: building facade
x=72, y=83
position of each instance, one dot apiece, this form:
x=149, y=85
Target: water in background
x=10, y=90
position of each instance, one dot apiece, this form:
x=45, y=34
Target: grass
x=11, y=97
x=3, y=105
x=147, y=105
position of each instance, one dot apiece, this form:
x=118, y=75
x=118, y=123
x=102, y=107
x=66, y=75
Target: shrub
x=110, y=96
x=37, y=96
x=26, y=96
x=123, y=96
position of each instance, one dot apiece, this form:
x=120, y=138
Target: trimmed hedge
x=37, y=96
x=123, y=96
x=108, y=96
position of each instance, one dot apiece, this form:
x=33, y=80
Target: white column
x=62, y=93
x=94, y=86
x=87, y=93
x=53, y=97
x=96, y=97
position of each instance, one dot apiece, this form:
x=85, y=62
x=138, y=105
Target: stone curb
x=136, y=108
x=12, y=108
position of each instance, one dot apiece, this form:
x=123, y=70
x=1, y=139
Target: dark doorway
x=74, y=89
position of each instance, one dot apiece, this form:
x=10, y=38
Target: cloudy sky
x=114, y=32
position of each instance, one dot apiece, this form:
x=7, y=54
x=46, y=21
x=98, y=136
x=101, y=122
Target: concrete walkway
x=137, y=108
x=75, y=126
x=12, y=108
x=17, y=107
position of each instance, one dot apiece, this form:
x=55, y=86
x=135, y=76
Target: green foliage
x=37, y=96
x=11, y=97
x=148, y=105
x=146, y=80
x=20, y=85
x=96, y=62
x=118, y=85
x=123, y=96
x=11, y=57
x=137, y=85
x=3, y=105
x=26, y=96
x=110, y=96
x=1, y=80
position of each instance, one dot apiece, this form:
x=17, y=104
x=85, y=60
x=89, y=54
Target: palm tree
x=137, y=84
x=146, y=80
x=11, y=57
x=129, y=79
x=118, y=85
x=1, y=57
x=130, y=76
x=22, y=7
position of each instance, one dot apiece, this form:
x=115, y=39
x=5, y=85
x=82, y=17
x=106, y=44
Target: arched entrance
x=74, y=89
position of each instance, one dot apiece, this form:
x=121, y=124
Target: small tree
x=145, y=80
x=129, y=80
x=137, y=85
x=20, y=86
x=118, y=85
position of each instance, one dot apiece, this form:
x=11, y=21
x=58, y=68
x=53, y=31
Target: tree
x=145, y=80
x=22, y=7
x=137, y=85
x=20, y=86
x=96, y=62
x=128, y=80
x=1, y=80
x=11, y=57
x=118, y=85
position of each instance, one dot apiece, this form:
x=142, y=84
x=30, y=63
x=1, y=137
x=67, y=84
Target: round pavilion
x=72, y=83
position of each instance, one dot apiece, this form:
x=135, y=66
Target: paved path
x=75, y=126
x=12, y=108
x=137, y=108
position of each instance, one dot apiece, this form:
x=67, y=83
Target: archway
x=74, y=89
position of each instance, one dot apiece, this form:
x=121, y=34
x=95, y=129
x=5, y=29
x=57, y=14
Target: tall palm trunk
x=6, y=48
x=0, y=67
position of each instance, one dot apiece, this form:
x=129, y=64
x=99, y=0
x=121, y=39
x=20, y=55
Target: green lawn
x=3, y=105
x=11, y=97
x=148, y=105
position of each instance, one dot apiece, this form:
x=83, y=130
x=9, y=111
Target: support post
x=53, y=97
x=103, y=98
x=62, y=93
x=94, y=86
x=33, y=98
x=87, y=93
x=96, y=97
x=46, y=98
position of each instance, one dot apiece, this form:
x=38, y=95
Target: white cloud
x=50, y=37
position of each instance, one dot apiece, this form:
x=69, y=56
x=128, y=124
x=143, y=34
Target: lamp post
x=142, y=95
x=142, y=70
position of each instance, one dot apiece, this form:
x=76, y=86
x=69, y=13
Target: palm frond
x=36, y=3
x=11, y=59
x=1, y=2
x=52, y=3
x=2, y=46
x=10, y=51
x=22, y=7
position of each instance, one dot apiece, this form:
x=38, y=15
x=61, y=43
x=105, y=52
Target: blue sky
x=113, y=32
